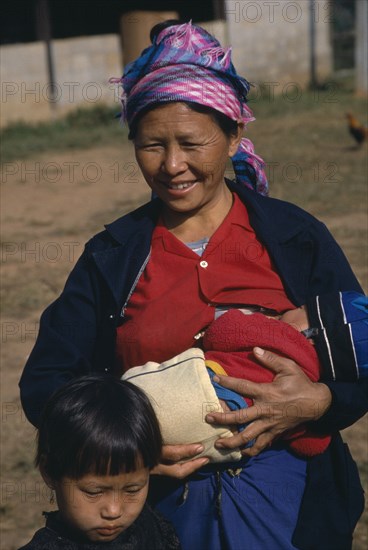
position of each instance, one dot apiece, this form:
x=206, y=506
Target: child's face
x=101, y=507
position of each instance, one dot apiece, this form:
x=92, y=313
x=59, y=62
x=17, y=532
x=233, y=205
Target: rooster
x=357, y=130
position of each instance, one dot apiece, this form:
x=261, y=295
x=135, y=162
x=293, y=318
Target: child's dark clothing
x=150, y=531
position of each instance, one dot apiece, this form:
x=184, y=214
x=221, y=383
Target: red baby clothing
x=177, y=293
x=229, y=341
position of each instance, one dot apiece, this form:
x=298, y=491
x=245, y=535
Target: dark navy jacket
x=77, y=336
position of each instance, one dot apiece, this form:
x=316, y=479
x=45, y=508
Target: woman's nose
x=174, y=161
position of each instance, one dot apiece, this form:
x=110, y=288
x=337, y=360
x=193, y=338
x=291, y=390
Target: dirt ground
x=53, y=205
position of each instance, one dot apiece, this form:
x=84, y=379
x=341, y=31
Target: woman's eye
x=151, y=145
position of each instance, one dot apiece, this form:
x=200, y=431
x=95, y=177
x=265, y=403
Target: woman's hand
x=289, y=400
x=173, y=454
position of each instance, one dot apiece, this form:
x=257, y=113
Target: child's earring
x=52, y=496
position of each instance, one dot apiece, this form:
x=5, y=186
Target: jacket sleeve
x=65, y=343
x=332, y=274
x=341, y=322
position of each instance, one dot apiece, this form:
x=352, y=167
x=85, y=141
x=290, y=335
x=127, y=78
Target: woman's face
x=183, y=155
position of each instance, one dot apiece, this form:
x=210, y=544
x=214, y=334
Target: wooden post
x=135, y=29
x=43, y=27
x=312, y=46
x=361, y=47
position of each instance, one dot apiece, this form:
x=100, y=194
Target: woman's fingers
x=240, y=386
x=278, y=407
x=172, y=464
x=180, y=470
x=262, y=442
x=177, y=460
x=260, y=434
x=240, y=416
x=275, y=363
x=174, y=453
x=278, y=365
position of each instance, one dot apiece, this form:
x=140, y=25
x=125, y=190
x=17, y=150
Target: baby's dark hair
x=156, y=29
x=97, y=424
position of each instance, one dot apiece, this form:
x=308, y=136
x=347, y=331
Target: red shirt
x=177, y=293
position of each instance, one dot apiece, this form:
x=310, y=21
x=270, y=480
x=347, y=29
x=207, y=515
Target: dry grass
x=313, y=163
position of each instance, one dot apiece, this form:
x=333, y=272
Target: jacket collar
x=121, y=259
x=141, y=220
x=261, y=211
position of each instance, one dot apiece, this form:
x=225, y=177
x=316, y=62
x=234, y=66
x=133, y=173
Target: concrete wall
x=271, y=41
x=361, y=48
x=218, y=29
x=82, y=69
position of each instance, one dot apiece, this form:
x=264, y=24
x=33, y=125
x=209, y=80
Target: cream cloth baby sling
x=181, y=393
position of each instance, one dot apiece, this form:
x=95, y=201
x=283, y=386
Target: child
x=97, y=442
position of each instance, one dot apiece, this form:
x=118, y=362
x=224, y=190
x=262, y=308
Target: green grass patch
x=290, y=100
x=80, y=129
x=297, y=110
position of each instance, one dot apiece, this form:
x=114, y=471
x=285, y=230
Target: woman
x=140, y=292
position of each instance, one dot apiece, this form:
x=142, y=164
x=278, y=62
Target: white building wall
x=271, y=40
x=82, y=69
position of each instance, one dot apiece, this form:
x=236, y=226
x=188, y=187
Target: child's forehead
x=107, y=481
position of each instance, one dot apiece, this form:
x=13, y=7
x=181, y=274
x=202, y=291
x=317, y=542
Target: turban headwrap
x=186, y=63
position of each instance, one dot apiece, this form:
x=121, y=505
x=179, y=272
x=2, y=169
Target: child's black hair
x=156, y=29
x=97, y=424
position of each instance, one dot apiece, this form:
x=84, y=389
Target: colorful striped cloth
x=186, y=63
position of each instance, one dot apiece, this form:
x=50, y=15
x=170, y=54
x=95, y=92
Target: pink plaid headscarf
x=186, y=63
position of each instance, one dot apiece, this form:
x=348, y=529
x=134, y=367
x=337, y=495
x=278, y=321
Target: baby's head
x=97, y=442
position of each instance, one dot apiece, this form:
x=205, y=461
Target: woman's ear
x=235, y=139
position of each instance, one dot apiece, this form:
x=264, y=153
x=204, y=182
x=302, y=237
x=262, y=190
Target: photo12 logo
x=271, y=11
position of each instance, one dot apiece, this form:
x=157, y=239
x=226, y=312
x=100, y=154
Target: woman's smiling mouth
x=180, y=186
